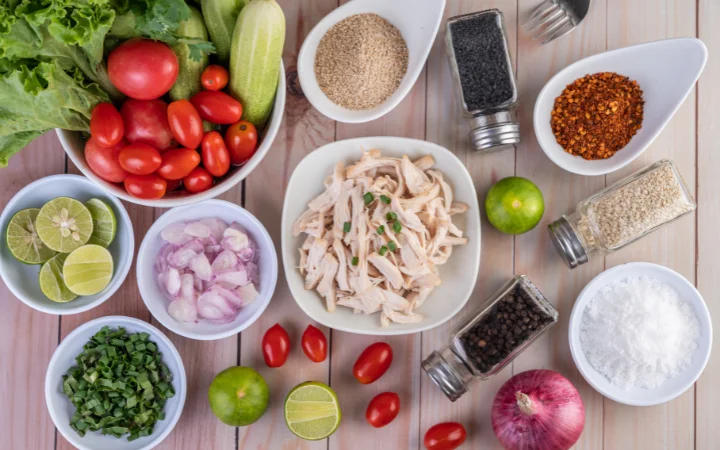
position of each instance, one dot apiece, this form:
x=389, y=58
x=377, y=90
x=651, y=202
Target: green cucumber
x=220, y=17
x=255, y=58
x=190, y=71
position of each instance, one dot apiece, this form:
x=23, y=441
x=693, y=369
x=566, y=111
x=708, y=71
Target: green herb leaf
x=381, y=229
x=385, y=199
x=391, y=216
x=397, y=226
x=355, y=261
x=383, y=250
x=346, y=227
x=392, y=246
x=368, y=197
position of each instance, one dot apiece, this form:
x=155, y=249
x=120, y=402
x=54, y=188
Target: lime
x=22, y=238
x=238, y=396
x=88, y=270
x=514, y=205
x=52, y=282
x=312, y=411
x=104, y=223
x=64, y=224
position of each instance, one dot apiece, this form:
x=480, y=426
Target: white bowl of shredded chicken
x=381, y=235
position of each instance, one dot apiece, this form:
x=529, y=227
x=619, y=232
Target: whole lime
x=238, y=396
x=514, y=205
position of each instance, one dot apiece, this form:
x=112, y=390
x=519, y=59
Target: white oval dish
x=158, y=303
x=666, y=71
x=417, y=21
x=458, y=275
x=22, y=279
x=61, y=409
x=672, y=387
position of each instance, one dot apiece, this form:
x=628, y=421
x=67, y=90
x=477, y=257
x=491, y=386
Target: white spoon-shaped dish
x=666, y=72
x=417, y=20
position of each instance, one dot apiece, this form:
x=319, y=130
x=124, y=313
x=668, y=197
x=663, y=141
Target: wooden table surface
x=689, y=246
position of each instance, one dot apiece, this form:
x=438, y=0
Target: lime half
x=104, y=223
x=312, y=411
x=88, y=270
x=64, y=224
x=22, y=238
x=52, y=282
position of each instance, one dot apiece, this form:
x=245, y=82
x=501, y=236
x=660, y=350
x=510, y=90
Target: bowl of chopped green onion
x=115, y=383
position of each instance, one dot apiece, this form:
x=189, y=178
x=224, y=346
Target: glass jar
x=510, y=320
x=485, y=85
x=622, y=213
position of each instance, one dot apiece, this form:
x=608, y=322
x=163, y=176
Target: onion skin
x=538, y=410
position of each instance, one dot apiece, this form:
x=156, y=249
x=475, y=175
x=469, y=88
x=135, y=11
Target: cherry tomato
x=217, y=107
x=185, y=123
x=314, y=344
x=143, y=69
x=445, y=436
x=214, y=77
x=383, y=409
x=373, y=362
x=173, y=185
x=215, y=156
x=140, y=159
x=177, y=163
x=276, y=346
x=146, y=121
x=199, y=180
x=145, y=186
x=241, y=141
x=106, y=125
x=104, y=161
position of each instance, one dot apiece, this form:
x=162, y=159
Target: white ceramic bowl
x=666, y=72
x=74, y=146
x=61, y=409
x=458, y=274
x=417, y=20
x=157, y=302
x=22, y=279
x=670, y=388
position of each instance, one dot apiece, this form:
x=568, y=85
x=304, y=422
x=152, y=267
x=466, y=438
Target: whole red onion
x=538, y=410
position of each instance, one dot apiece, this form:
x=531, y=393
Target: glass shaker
x=622, y=213
x=512, y=319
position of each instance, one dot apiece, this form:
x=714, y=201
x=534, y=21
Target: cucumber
x=255, y=57
x=188, y=80
x=220, y=17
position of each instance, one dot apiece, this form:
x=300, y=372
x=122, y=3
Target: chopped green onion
x=368, y=197
x=381, y=229
x=385, y=199
x=392, y=246
x=355, y=261
x=383, y=250
x=391, y=216
x=397, y=226
x=346, y=227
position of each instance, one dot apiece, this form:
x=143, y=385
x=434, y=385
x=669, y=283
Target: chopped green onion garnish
x=385, y=199
x=397, y=226
x=391, y=216
x=355, y=261
x=381, y=229
x=368, y=197
x=346, y=227
x=383, y=250
x=392, y=246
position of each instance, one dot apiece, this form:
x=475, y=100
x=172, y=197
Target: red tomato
x=373, y=362
x=217, y=107
x=276, y=346
x=185, y=123
x=215, y=156
x=314, y=344
x=140, y=159
x=445, y=436
x=199, y=180
x=241, y=141
x=173, y=185
x=214, y=77
x=106, y=125
x=146, y=121
x=145, y=186
x=177, y=163
x=104, y=161
x=143, y=69
x=383, y=409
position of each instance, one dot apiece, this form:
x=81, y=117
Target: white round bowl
x=74, y=146
x=61, y=409
x=670, y=388
x=458, y=275
x=158, y=303
x=22, y=279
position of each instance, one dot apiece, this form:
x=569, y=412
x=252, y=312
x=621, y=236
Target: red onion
x=538, y=410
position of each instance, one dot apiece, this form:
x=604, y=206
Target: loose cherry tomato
x=276, y=346
x=185, y=123
x=146, y=121
x=199, y=180
x=145, y=186
x=314, y=344
x=143, y=69
x=215, y=156
x=241, y=141
x=373, y=362
x=217, y=107
x=383, y=409
x=177, y=163
x=214, y=77
x=104, y=161
x=106, y=125
x=445, y=436
x=140, y=159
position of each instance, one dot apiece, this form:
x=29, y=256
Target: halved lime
x=312, y=411
x=22, y=238
x=104, y=223
x=52, y=282
x=88, y=270
x=64, y=224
